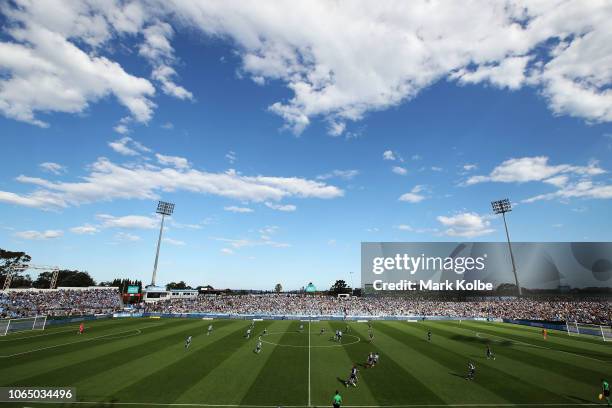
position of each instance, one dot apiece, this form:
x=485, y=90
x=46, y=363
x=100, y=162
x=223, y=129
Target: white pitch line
x=538, y=346
x=309, y=362
x=38, y=335
x=74, y=342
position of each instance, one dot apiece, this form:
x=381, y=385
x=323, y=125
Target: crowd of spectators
x=69, y=302
x=593, y=311
x=62, y=302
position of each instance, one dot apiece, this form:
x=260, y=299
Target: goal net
x=24, y=324
x=577, y=329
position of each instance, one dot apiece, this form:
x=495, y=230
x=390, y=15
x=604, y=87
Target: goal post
x=22, y=324
x=39, y=323
x=583, y=329
x=4, y=324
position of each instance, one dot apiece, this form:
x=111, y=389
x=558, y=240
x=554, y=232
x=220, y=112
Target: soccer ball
x=600, y=396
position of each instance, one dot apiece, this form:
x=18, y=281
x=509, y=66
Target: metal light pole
x=502, y=207
x=164, y=209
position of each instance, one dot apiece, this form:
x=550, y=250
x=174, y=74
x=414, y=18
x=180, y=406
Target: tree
x=9, y=259
x=339, y=287
x=175, y=285
x=65, y=278
x=278, y=288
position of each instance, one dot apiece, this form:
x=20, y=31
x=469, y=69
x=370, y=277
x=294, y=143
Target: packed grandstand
x=14, y=304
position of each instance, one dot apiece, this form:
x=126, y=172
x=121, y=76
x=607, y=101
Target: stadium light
x=502, y=207
x=163, y=208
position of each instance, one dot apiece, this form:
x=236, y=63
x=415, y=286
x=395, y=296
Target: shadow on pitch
x=482, y=340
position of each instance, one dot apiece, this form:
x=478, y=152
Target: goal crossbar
x=22, y=324
x=578, y=329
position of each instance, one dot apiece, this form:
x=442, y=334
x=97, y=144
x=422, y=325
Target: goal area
x=582, y=329
x=22, y=324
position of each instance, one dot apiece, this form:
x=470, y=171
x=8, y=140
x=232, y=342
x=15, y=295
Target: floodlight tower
x=502, y=207
x=164, y=209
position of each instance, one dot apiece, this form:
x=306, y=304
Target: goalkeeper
x=605, y=389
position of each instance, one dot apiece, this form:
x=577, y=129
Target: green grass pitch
x=143, y=363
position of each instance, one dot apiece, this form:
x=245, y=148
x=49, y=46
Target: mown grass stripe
x=98, y=358
x=507, y=386
x=544, y=343
x=378, y=379
x=330, y=366
x=188, y=366
x=529, y=356
x=429, y=370
x=283, y=379
x=240, y=371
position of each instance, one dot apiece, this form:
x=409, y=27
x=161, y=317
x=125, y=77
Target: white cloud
x=336, y=128
x=45, y=71
x=179, y=162
x=109, y=181
x=85, y=229
x=571, y=181
x=343, y=174
x=264, y=240
x=128, y=221
x=54, y=168
x=467, y=225
x=126, y=237
x=121, y=129
x=227, y=251
x=128, y=147
x=235, y=209
x=469, y=167
x=509, y=73
x=436, y=168
x=399, y=170
x=386, y=53
x=281, y=207
x=414, y=196
x=389, y=155
x=535, y=168
x=174, y=242
x=167, y=126
x=231, y=156
x=404, y=227
x=585, y=189
x=39, y=235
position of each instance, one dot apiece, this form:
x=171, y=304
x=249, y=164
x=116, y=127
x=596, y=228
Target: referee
x=337, y=400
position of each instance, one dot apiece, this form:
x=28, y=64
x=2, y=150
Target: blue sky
x=284, y=146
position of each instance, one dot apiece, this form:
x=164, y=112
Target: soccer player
x=428, y=335
x=605, y=387
x=248, y=333
x=370, y=361
x=376, y=357
x=301, y=328
x=340, y=336
x=352, y=380
x=187, y=342
x=337, y=400
x=258, y=347
x=545, y=333
x=347, y=329
x=81, y=328
x=490, y=354
x=210, y=329
x=322, y=331
x=471, y=371
x=371, y=335
x=265, y=331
